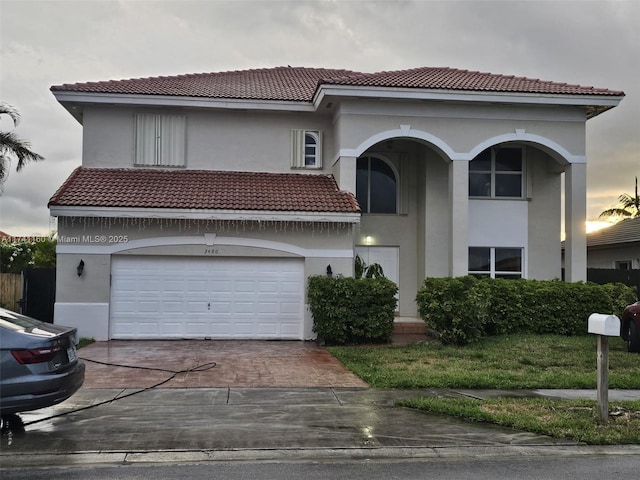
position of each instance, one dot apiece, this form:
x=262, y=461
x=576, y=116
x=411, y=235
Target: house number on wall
x=211, y=251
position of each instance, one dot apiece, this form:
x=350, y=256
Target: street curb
x=21, y=460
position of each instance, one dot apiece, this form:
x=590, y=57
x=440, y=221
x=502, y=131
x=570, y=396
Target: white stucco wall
x=215, y=140
x=461, y=128
x=83, y=301
x=602, y=257
x=426, y=137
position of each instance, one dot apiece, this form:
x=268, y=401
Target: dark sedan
x=630, y=327
x=39, y=365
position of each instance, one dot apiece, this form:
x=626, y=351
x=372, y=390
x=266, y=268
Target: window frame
x=493, y=173
x=299, y=146
x=623, y=264
x=492, y=271
x=168, y=143
x=396, y=179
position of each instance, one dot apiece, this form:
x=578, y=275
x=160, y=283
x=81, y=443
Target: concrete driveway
x=212, y=363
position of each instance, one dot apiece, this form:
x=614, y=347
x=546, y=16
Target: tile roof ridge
x=64, y=86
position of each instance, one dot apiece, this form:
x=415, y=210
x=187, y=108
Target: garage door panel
x=244, y=307
x=195, y=307
x=290, y=308
x=219, y=286
x=193, y=297
x=266, y=308
x=146, y=307
x=151, y=327
x=174, y=307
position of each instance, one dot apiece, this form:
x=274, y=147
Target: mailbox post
x=604, y=326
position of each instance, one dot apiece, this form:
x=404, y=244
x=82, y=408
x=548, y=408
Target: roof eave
x=73, y=102
x=204, y=214
x=594, y=103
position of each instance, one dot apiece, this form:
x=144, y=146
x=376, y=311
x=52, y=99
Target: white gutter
x=395, y=93
x=179, y=101
x=193, y=214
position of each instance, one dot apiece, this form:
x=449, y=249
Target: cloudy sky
x=44, y=43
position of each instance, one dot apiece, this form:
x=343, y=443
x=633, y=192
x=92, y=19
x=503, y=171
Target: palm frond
x=629, y=206
x=6, y=109
x=12, y=146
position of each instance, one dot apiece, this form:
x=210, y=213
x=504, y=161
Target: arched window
x=311, y=149
x=376, y=186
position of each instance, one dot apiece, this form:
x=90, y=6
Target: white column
x=459, y=218
x=575, y=216
x=344, y=171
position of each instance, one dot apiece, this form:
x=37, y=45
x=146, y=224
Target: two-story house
x=205, y=201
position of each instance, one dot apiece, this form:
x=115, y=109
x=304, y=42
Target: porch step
x=406, y=325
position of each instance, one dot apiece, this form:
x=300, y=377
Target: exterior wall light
x=368, y=240
x=80, y=268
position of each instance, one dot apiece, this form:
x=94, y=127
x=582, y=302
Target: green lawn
x=84, y=342
x=507, y=362
x=510, y=362
x=575, y=419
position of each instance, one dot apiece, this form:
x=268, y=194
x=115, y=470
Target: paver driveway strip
x=238, y=363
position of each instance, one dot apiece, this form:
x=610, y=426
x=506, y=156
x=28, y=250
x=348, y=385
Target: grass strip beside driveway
x=510, y=362
x=504, y=362
x=575, y=419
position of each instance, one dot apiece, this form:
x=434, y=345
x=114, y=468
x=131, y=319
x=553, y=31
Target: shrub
x=352, y=310
x=448, y=305
x=464, y=309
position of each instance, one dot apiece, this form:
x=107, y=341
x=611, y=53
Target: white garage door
x=203, y=297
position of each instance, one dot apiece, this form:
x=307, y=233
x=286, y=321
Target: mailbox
x=602, y=324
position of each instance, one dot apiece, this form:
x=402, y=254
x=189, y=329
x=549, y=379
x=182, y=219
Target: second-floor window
x=376, y=186
x=497, y=173
x=306, y=149
x=160, y=140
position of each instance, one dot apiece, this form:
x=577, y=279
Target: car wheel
x=633, y=338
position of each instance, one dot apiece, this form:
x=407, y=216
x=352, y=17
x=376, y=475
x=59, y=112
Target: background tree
x=15, y=256
x=628, y=206
x=13, y=147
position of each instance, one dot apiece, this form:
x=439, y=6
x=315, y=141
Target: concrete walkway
x=202, y=424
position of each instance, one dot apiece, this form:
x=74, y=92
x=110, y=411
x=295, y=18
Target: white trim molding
x=91, y=319
x=175, y=214
x=206, y=239
x=403, y=131
x=519, y=135
x=324, y=91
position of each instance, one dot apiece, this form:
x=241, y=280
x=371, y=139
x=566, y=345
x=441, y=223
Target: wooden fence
x=10, y=290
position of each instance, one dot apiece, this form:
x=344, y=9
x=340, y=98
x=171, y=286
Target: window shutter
x=297, y=148
x=172, y=140
x=160, y=140
x=145, y=140
x=319, y=151
x=403, y=185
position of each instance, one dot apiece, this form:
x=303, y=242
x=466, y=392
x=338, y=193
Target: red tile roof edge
x=219, y=190
x=301, y=83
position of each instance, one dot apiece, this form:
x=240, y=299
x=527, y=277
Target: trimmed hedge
x=465, y=309
x=352, y=310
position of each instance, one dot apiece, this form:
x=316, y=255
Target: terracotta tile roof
x=203, y=189
x=300, y=83
x=281, y=83
x=455, y=79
